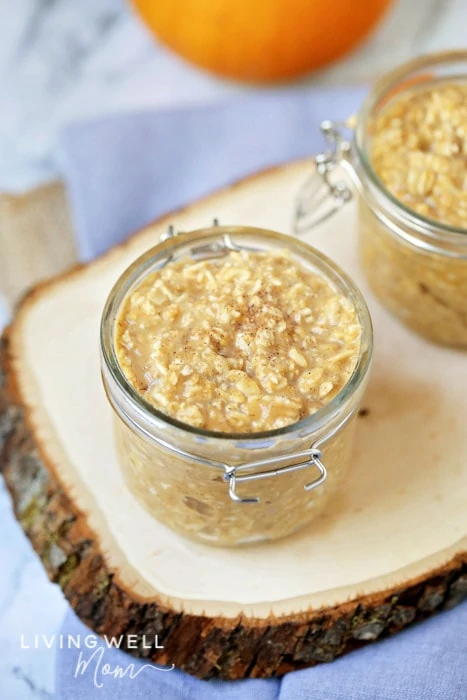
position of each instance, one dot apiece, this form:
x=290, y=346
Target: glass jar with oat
x=235, y=360
x=408, y=160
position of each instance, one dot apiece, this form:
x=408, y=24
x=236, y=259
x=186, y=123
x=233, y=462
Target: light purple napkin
x=124, y=171
x=121, y=173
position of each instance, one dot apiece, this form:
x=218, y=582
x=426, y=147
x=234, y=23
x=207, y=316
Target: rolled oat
x=246, y=343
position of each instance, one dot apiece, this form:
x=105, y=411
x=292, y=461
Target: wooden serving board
x=391, y=548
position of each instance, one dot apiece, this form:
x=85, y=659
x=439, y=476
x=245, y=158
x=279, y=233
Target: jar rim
x=382, y=89
x=143, y=265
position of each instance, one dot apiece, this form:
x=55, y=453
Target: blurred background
x=64, y=61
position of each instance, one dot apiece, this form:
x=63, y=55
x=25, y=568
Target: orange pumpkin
x=260, y=40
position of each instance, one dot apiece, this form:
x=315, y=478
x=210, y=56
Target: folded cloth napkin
x=121, y=173
x=124, y=171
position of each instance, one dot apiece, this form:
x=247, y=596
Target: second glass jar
x=417, y=266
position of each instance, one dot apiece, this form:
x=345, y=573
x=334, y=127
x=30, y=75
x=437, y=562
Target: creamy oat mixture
x=248, y=342
x=419, y=150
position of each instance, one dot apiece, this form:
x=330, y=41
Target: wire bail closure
x=318, y=199
x=310, y=458
x=172, y=232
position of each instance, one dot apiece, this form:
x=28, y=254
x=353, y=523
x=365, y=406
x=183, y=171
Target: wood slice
x=391, y=549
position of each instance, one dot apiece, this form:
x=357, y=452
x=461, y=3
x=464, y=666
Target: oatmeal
x=248, y=342
x=427, y=291
x=419, y=151
x=193, y=499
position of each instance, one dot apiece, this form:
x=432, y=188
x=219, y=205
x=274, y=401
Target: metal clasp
x=205, y=251
x=309, y=458
x=319, y=198
x=173, y=233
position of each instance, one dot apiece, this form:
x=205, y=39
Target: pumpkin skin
x=260, y=40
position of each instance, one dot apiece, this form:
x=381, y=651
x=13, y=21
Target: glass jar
x=416, y=266
x=231, y=489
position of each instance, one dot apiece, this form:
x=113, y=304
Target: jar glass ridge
x=180, y=473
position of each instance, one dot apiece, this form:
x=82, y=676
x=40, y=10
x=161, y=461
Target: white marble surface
x=63, y=60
